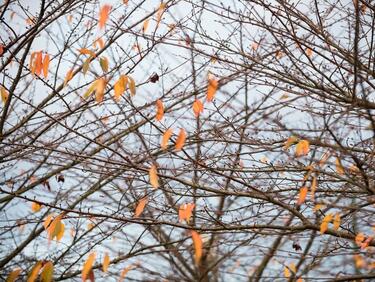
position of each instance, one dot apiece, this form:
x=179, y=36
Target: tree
x=187, y=140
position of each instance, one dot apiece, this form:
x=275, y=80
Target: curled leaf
x=140, y=207
x=46, y=61
x=132, y=86
x=88, y=266
x=302, y=195
x=106, y=262
x=336, y=221
x=197, y=107
x=104, y=63
x=324, y=225
x=35, y=207
x=166, y=136
x=185, y=212
x=159, y=110
x=47, y=272
x=154, y=179
x=198, y=246
x=180, y=141
x=302, y=148
x=13, y=275
x=103, y=15
x=211, y=88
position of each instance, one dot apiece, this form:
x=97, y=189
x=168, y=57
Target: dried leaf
x=47, y=272
x=166, y=136
x=85, y=51
x=140, y=207
x=336, y=221
x=124, y=272
x=88, y=265
x=154, y=179
x=106, y=262
x=211, y=88
x=145, y=25
x=86, y=65
x=180, y=141
x=34, y=272
x=103, y=15
x=197, y=107
x=291, y=141
x=91, y=89
x=1, y=49
x=309, y=52
x=302, y=148
x=46, y=65
x=100, y=89
x=4, y=94
x=159, y=110
x=35, y=207
x=132, y=86
x=198, y=245
x=104, y=63
x=185, y=212
x=100, y=42
x=339, y=168
x=39, y=63
x=324, y=225
x=68, y=77
x=13, y=275
x=160, y=13
x=302, y=195
x=120, y=87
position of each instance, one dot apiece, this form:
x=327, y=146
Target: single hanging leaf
x=13, y=275
x=211, y=88
x=302, y=195
x=86, y=65
x=291, y=141
x=85, y=51
x=60, y=231
x=159, y=110
x=106, y=261
x=145, y=25
x=309, y=52
x=124, y=272
x=140, y=207
x=336, y=221
x=286, y=272
x=326, y=220
x=88, y=266
x=120, y=87
x=160, y=13
x=68, y=76
x=104, y=64
x=45, y=65
x=34, y=272
x=91, y=89
x=132, y=86
x=197, y=107
x=198, y=244
x=339, y=168
x=302, y=148
x=4, y=94
x=166, y=136
x=185, y=212
x=180, y=141
x=103, y=15
x=47, y=272
x=100, y=42
x=1, y=49
x=35, y=207
x=32, y=64
x=154, y=179
x=100, y=89
x=39, y=63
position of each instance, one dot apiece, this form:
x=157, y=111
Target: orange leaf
x=39, y=63
x=185, y=212
x=103, y=15
x=34, y=272
x=180, y=139
x=45, y=65
x=13, y=275
x=302, y=195
x=1, y=49
x=302, y=148
x=154, y=179
x=166, y=136
x=100, y=42
x=291, y=141
x=88, y=265
x=197, y=107
x=326, y=220
x=336, y=221
x=339, y=168
x=198, y=244
x=85, y=51
x=32, y=64
x=160, y=13
x=140, y=207
x=47, y=272
x=120, y=87
x=211, y=88
x=68, y=76
x=100, y=88
x=124, y=272
x=35, y=207
x=286, y=272
x=145, y=25
x=106, y=262
x=4, y=94
x=309, y=52
x=132, y=86
x=159, y=110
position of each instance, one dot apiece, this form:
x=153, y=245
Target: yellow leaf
x=46, y=65
x=159, y=110
x=302, y=148
x=359, y=238
x=166, y=136
x=326, y=220
x=99, y=90
x=103, y=15
x=198, y=244
x=132, y=86
x=68, y=77
x=91, y=89
x=302, y=195
x=120, y=87
x=145, y=25
x=60, y=230
x=339, y=168
x=47, y=272
x=318, y=207
x=124, y=272
x=140, y=207
x=293, y=268
x=180, y=141
x=34, y=272
x=4, y=94
x=197, y=107
x=13, y=275
x=291, y=141
x=185, y=212
x=336, y=221
x=154, y=180
x=286, y=272
x=106, y=261
x=211, y=88
x=88, y=265
x=35, y=207
x=104, y=64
